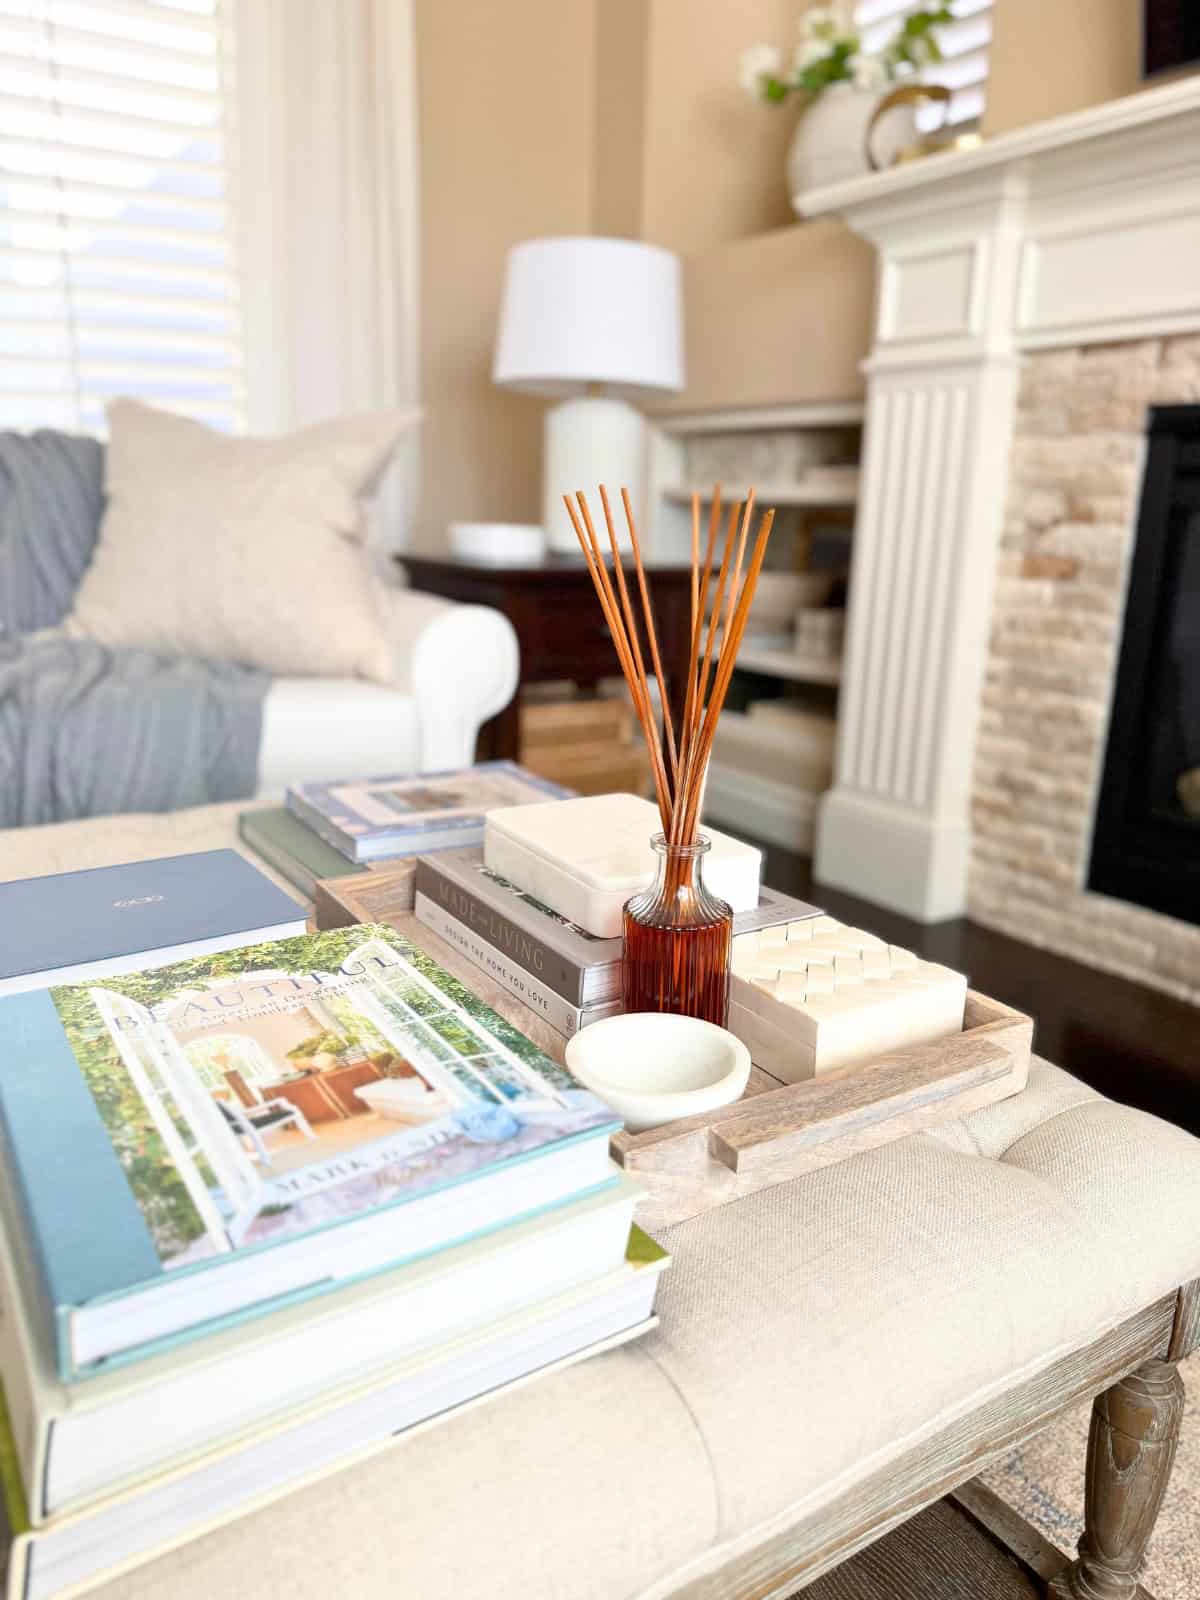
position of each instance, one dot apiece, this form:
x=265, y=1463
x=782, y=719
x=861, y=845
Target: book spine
x=540, y=962
x=321, y=826
x=552, y=1008
x=276, y=856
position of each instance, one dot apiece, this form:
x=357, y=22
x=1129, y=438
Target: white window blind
x=117, y=268
x=964, y=45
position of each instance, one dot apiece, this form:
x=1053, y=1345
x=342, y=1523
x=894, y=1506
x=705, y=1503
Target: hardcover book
x=581, y=967
x=371, y=818
x=78, y=1443
x=203, y=1141
x=293, y=849
x=73, y=925
x=559, y=1013
x=358, y=1424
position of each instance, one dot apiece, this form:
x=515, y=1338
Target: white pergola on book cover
x=266, y=1122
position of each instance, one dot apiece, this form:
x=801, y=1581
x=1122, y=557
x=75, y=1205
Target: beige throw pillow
x=247, y=550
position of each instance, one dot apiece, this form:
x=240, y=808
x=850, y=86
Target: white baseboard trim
x=908, y=863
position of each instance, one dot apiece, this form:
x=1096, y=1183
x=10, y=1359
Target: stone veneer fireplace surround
x=1036, y=296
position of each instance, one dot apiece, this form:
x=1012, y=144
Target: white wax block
x=825, y=953
x=792, y=957
x=901, y=959
x=745, y=944
x=770, y=937
x=847, y=970
x=773, y=1051
x=824, y=924
x=792, y=986
x=800, y=932
x=820, y=979
x=585, y=857
x=757, y=970
x=876, y=963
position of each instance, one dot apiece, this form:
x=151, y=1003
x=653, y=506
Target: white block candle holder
x=584, y=858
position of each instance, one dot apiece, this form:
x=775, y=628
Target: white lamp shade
x=579, y=310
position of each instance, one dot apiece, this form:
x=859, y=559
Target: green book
x=292, y=848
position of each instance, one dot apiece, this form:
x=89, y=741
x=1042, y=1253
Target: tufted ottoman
x=834, y=1354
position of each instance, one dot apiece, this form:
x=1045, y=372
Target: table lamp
x=591, y=323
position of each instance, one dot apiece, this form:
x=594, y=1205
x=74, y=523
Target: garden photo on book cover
x=255, y=1094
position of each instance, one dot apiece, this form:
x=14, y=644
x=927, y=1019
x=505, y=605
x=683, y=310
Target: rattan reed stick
x=679, y=769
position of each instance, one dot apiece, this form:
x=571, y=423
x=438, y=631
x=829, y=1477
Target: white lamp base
x=588, y=442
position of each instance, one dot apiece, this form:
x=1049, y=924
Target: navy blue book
x=203, y=1142
x=77, y=925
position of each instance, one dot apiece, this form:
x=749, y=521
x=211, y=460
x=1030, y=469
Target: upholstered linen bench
x=834, y=1354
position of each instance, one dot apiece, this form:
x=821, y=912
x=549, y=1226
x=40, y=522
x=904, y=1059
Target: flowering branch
x=830, y=51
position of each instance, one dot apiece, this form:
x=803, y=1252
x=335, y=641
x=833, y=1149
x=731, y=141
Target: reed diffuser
x=678, y=934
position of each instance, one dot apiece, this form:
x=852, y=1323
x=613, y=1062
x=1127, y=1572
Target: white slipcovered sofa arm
x=459, y=664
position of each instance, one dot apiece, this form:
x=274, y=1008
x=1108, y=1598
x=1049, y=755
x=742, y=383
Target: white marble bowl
x=653, y=1067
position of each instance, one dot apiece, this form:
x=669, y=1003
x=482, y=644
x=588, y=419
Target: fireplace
x=1146, y=843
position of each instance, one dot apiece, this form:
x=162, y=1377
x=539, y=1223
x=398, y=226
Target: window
x=117, y=270
x=964, y=44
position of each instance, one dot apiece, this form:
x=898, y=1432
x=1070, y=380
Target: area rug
x=1044, y=1482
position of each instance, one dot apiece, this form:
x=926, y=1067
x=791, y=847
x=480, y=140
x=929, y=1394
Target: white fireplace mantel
x=1082, y=230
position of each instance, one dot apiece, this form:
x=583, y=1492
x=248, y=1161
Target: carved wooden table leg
x=1131, y=1448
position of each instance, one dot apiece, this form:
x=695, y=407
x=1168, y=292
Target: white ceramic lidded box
x=584, y=858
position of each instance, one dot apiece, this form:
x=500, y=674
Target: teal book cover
x=172, y=1121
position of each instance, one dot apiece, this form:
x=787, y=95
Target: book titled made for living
x=369, y=819
x=213, y=1139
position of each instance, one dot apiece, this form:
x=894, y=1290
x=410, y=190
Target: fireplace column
x=941, y=393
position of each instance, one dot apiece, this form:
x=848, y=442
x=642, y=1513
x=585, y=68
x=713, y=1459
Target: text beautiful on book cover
x=255, y=1112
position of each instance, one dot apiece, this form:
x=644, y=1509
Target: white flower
x=868, y=72
x=827, y=22
x=758, y=62
x=810, y=51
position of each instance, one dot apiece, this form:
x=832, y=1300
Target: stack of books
x=337, y=829
x=267, y=1201
x=567, y=975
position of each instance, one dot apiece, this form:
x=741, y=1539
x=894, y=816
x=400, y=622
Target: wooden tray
x=381, y=895
x=781, y=1131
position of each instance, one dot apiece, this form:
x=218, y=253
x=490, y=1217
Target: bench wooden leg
x=1131, y=1448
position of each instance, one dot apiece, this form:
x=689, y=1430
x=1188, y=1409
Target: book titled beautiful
x=367, y=819
x=209, y=1139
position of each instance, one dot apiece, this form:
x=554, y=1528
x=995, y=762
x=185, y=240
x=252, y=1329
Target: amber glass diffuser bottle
x=677, y=939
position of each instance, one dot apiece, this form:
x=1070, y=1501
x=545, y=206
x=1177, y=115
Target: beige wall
x=623, y=117
x=505, y=107
x=1053, y=56
x=713, y=157
x=777, y=319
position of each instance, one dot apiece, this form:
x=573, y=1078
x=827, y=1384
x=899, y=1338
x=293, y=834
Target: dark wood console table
x=559, y=625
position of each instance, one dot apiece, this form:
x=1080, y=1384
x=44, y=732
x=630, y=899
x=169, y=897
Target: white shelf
x=762, y=807
x=778, y=494
x=752, y=419
x=787, y=664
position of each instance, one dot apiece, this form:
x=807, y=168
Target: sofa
x=90, y=730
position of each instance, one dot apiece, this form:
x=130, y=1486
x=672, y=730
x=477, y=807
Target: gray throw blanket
x=51, y=498
x=85, y=730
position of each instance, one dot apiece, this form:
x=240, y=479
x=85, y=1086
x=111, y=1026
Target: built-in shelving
x=760, y=781
x=768, y=494
x=787, y=664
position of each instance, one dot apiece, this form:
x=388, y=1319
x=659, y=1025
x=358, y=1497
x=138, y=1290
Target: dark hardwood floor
x=1130, y=1042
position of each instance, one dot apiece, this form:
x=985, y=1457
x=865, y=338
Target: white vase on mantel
x=829, y=144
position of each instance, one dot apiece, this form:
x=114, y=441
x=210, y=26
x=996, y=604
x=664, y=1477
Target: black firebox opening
x=1146, y=843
